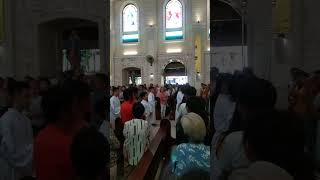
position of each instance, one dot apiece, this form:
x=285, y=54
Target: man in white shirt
x=231, y=156
x=137, y=134
x=115, y=106
x=152, y=103
x=223, y=111
x=179, y=100
x=16, y=137
x=146, y=105
x=182, y=108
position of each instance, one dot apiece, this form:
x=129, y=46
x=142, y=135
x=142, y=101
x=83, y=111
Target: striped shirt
x=136, y=133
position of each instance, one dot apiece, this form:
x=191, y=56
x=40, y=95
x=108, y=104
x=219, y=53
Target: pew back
x=159, y=149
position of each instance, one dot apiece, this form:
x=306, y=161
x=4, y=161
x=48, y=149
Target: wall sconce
x=174, y=50
x=198, y=18
x=151, y=24
x=208, y=48
x=151, y=76
x=128, y=53
x=198, y=76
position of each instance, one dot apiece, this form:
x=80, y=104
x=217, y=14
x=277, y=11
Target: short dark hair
x=143, y=94
x=197, y=105
x=90, y=153
x=195, y=174
x=16, y=87
x=45, y=80
x=317, y=72
x=138, y=110
x=134, y=90
x=59, y=98
x=28, y=78
x=190, y=91
x=257, y=93
x=127, y=94
x=11, y=83
x=276, y=137
x=114, y=89
x=101, y=107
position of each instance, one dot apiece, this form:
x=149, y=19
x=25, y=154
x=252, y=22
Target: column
x=259, y=31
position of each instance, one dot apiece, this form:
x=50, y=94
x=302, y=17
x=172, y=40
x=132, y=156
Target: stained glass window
x=130, y=25
x=174, y=20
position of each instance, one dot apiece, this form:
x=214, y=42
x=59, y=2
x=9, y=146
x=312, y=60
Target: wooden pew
x=158, y=151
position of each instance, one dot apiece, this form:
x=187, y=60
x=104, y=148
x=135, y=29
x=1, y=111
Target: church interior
x=159, y=89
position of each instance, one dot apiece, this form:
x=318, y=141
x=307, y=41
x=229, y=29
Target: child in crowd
x=147, y=107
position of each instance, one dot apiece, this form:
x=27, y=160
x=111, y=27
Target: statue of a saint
x=73, y=51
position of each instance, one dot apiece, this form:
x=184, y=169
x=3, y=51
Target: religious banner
x=1, y=20
x=282, y=16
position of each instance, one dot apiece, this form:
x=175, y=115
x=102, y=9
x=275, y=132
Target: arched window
x=130, y=24
x=174, y=20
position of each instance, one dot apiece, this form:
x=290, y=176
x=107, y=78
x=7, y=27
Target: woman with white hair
x=194, y=154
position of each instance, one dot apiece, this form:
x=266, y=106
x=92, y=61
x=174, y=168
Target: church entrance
x=68, y=43
x=131, y=76
x=175, y=73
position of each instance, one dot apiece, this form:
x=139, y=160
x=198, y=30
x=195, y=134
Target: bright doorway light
x=174, y=50
x=127, y=53
x=177, y=79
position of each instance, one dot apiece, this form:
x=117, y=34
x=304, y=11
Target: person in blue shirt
x=194, y=154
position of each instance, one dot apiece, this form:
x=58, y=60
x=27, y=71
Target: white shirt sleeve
x=151, y=100
x=223, y=113
x=12, y=150
x=147, y=109
x=115, y=106
x=104, y=129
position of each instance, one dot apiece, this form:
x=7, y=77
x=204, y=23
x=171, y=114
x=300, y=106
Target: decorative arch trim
x=172, y=60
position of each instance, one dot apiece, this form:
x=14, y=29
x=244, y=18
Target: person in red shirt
x=65, y=107
x=126, y=106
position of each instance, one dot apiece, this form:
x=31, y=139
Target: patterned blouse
x=137, y=134
x=189, y=156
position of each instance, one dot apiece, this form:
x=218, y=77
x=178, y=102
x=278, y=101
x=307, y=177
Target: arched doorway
x=131, y=75
x=55, y=44
x=175, y=73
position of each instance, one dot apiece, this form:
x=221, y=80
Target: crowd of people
x=255, y=140
x=78, y=127
x=54, y=129
x=135, y=110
